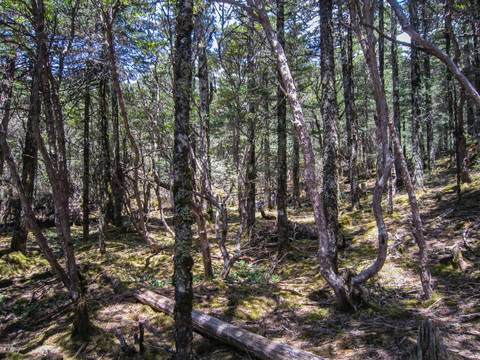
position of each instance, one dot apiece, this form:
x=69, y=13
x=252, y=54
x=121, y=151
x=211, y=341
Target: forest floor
x=282, y=298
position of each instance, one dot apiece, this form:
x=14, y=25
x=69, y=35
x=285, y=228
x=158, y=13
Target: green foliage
x=244, y=272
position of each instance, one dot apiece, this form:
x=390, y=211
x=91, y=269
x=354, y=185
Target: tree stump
x=429, y=344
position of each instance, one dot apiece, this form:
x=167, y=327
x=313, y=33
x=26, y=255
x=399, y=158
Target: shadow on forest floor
x=282, y=298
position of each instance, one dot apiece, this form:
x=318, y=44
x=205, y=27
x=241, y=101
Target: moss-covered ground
x=283, y=298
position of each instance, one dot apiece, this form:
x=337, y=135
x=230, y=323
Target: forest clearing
x=282, y=298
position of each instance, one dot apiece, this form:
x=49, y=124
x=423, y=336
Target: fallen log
x=235, y=336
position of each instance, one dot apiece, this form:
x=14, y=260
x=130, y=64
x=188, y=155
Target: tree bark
x=86, y=160
x=203, y=151
x=282, y=219
x=6, y=91
x=251, y=175
x=415, y=81
x=330, y=120
x=396, y=102
x=183, y=182
x=29, y=169
x=350, y=113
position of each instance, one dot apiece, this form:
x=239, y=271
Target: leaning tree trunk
x=327, y=267
x=183, y=185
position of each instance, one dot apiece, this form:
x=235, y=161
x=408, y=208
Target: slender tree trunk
x=251, y=175
x=417, y=155
x=330, y=120
x=266, y=151
x=86, y=161
x=282, y=220
x=29, y=170
x=104, y=156
x=203, y=151
x=6, y=91
x=183, y=184
x=350, y=113
x=117, y=182
x=296, y=171
x=396, y=102
x=427, y=74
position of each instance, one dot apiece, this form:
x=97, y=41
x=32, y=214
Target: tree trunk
x=6, y=91
x=104, y=158
x=183, y=182
x=427, y=75
x=212, y=328
x=118, y=180
x=396, y=102
x=251, y=175
x=330, y=120
x=203, y=151
x=86, y=160
x=350, y=113
x=417, y=138
x=282, y=220
x=29, y=170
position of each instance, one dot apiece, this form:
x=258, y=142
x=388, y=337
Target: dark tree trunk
x=203, y=150
x=350, y=113
x=282, y=220
x=266, y=151
x=416, y=82
x=118, y=180
x=427, y=74
x=6, y=91
x=104, y=158
x=86, y=162
x=296, y=171
x=251, y=175
x=396, y=102
x=183, y=182
x=330, y=120
x=29, y=170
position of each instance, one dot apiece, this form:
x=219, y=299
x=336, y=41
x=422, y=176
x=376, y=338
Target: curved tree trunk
x=368, y=47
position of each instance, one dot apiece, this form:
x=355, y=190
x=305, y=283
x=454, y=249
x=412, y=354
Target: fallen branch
x=239, y=338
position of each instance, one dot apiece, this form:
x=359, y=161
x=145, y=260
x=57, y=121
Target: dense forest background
x=306, y=170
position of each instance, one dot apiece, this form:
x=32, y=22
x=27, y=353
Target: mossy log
x=239, y=338
x=429, y=344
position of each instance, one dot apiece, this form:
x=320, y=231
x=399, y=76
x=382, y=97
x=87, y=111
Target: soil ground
x=282, y=298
